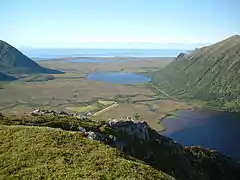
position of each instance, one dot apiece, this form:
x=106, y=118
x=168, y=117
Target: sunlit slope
x=208, y=73
x=36, y=153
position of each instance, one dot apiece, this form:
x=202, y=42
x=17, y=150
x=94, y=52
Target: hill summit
x=210, y=73
x=12, y=61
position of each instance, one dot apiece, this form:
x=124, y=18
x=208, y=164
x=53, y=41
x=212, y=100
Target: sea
x=44, y=54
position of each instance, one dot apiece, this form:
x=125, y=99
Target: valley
x=119, y=90
x=73, y=93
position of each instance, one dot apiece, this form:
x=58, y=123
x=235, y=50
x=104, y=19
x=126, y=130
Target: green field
x=84, y=109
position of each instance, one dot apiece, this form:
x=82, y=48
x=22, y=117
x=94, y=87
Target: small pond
x=118, y=77
x=209, y=129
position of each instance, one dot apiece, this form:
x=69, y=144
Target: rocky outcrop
x=41, y=112
x=133, y=128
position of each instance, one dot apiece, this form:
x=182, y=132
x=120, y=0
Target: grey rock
x=93, y=136
x=81, y=129
x=137, y=129
x=36, y=112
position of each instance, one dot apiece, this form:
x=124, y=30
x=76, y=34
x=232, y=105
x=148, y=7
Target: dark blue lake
x=118, y=77
x=95, y=61
x=209, y=129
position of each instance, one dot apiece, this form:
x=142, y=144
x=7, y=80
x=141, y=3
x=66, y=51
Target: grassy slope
x=34, y=153
x=14, y=62
x=209, y=73
x=29, y=152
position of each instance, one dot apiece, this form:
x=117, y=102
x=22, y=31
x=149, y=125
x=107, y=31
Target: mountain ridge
x=14, y=62
x=209, y=73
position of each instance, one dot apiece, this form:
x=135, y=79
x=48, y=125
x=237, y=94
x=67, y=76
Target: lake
x=118, y=77
x=44, y=54
x=209, y=129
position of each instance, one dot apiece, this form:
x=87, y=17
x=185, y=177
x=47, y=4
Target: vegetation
x=84, y=109
x=30, y=150
x=38, y=78
x=92, y=106
x=210, y=73
x=137, y=116
x=43, y=153
x=15, y=63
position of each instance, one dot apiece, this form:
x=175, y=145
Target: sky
x=117, y=23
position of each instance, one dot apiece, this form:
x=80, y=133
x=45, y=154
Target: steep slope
x=4, y=77
x=28, y=152
x=208, y=73
x=14, y=62
x=44, y=153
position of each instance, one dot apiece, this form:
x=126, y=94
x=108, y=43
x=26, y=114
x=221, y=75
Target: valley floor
x=71, y=92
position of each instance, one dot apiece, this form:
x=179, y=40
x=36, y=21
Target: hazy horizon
x=120, y=46
x=129, y=24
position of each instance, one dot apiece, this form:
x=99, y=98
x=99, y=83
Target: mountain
x=14, y=62
x=58, y=145
x=210, y=73
x=4, y=77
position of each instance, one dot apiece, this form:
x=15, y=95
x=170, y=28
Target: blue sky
x=118, y=23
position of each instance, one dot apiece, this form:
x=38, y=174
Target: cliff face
x=14, y=62
x=136, y=139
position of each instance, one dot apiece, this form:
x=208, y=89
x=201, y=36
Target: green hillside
x=44, y=153
x=14, y=62
x=63, y=146
x=210, y=73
